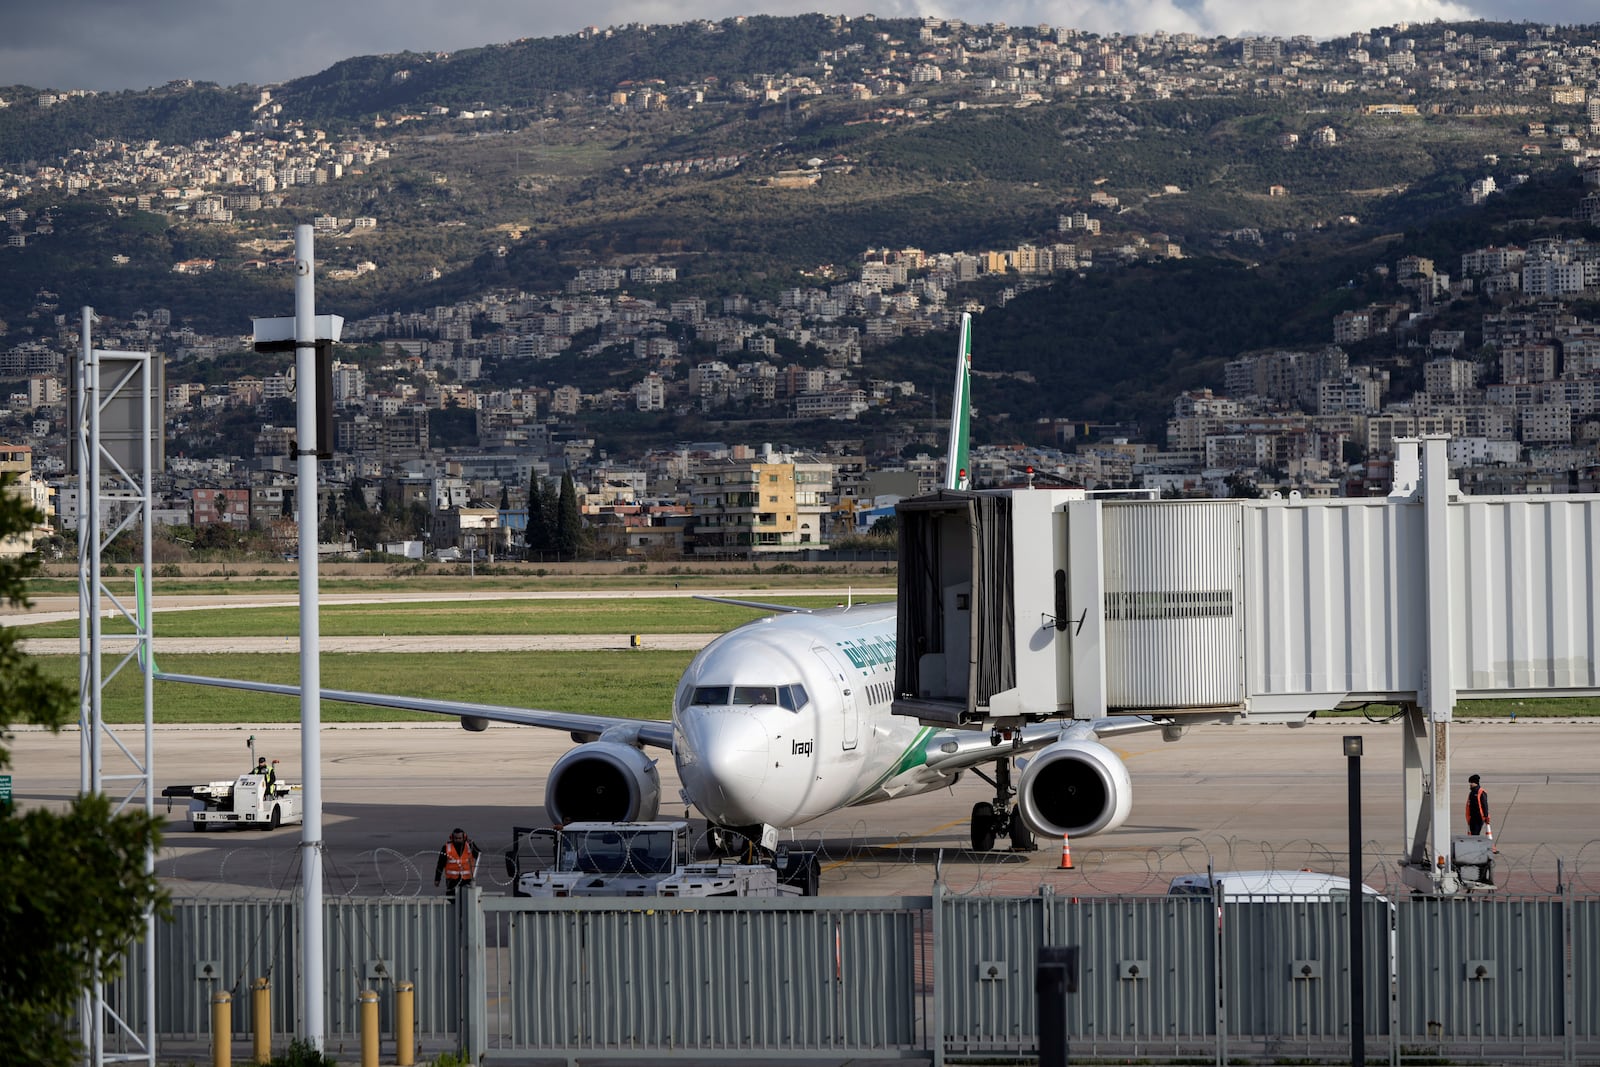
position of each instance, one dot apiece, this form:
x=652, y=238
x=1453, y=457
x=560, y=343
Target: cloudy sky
x=134, y=44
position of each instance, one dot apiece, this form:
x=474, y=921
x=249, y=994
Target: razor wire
x=857, y=861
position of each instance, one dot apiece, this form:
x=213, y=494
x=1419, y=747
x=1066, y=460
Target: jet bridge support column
x=1427, y=796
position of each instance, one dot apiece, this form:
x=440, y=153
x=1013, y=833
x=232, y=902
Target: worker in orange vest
x=458, y=861
x=1477, y=806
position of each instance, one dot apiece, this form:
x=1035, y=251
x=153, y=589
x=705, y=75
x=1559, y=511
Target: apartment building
x=758, y=507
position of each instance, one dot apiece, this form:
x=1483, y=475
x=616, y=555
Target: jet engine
x=603, y=781
x=1076, y=786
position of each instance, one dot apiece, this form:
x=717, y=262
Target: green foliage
x=73, y=890
x=302, y=1053
x=26, y=695
x=172, y=114
x=540, y=534
x=533, y=71
x=571, y=537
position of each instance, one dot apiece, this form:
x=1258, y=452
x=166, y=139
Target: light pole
x=1358, y=1015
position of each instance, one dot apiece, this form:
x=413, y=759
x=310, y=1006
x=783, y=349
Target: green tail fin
x=957, y=469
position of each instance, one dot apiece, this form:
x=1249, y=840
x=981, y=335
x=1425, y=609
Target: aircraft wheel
x=1021, y=837
x=983, y=826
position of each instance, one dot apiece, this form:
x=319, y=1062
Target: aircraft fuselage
x=788, y=718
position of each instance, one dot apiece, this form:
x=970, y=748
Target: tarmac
x=1229, y=797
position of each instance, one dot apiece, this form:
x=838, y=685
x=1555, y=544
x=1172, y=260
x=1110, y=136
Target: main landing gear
x=1004, y=816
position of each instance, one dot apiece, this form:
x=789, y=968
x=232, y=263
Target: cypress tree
x=538, y=537
x=569, y=521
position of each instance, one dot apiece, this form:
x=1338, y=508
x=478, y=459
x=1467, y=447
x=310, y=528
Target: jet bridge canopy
x=1033, y=603
x=955, y=636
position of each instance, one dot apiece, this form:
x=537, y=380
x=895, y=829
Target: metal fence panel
x=212, y=946
x=1146, y=971
x=372, y=943
x=1286, y=968
x=1484, y=975
x=1494, y=979
x=1585, y=996
x=709, y=975
x=986, y=959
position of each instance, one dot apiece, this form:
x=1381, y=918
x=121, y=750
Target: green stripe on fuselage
x=915, y=755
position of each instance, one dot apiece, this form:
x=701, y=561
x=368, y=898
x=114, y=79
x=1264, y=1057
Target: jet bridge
x=1027, y=604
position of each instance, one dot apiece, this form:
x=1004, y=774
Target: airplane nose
x=723, y=762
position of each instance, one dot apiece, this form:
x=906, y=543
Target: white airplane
x=789, y=718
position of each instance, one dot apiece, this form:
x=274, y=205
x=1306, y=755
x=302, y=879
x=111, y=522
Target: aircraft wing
x=759, y=605
x=950, y=749
x=472, y=716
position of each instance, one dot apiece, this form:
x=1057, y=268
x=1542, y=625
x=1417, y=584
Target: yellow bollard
x=221, y=1030
x=369, y=1028
x=261, y=1021
x=405, y=1014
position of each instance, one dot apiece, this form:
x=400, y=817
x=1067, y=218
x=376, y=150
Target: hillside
x=513, y=165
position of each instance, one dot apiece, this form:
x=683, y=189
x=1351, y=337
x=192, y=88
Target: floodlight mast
x=304, y=333
x=305, y=363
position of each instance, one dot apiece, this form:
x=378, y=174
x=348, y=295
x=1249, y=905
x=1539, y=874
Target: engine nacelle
x=603, y=781
x=474, y=724
x=1075, y=787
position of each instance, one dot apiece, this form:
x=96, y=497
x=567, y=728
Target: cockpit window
x=789, y=697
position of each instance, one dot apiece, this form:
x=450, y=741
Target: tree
x=73, y=889
x=538, y=537
x=569, y=520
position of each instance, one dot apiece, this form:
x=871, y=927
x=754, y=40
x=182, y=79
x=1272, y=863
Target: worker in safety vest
x=269, y=773
x=458, y=861
x=1477, y=806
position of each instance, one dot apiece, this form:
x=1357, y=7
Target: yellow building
x=16, y=470
x=751, y=508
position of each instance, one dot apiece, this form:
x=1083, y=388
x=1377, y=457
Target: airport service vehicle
x=247, y=801
x=644, y=859
x=1280, y=886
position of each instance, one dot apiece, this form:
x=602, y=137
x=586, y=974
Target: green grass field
x=633, y=684
x=237, y=580
x=624, y=683
x=641, y=615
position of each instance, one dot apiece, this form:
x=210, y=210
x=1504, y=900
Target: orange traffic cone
x=1066, y=854
x=1488, y=831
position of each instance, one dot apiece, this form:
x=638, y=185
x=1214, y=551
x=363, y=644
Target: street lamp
x=1358, y=1015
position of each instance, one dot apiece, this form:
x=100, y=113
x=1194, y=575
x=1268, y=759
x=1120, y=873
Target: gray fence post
x=940, y=952
x=474, y=984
